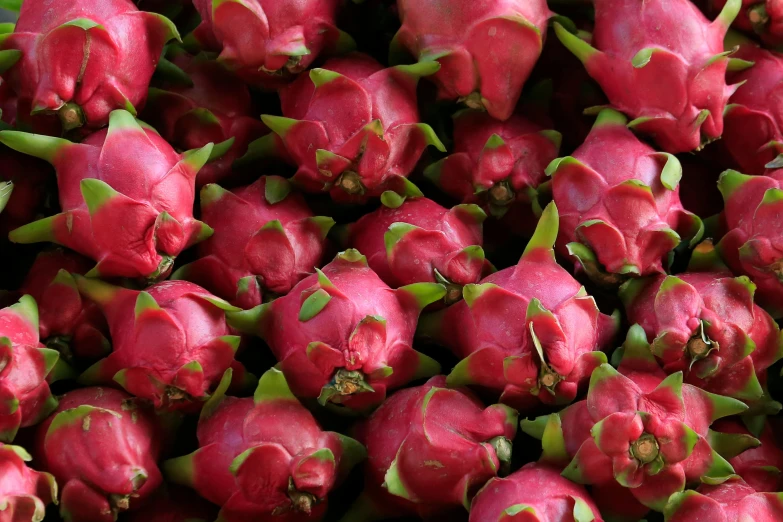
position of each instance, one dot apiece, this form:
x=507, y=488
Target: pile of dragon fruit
x=349, y=261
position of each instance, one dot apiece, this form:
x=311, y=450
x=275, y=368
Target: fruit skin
x=753, y=244
x=200, y=102
x=85, y=58
x=175, y=504
x=342, y=336
x=621, y=214
x=760, y=467
x=495, y=164
x=23, y=184
x=429, y=450
x=635, y=47
x=101, y=445
x=538, y=492
x=24, y=492
x=762, y=17
x=264, y=458
x=266, y=241
x=171, y=341
x=544, y=358
x=66, y=322
x=415, y=240
x=486, y=50
x=26, y=369
x=355, y=153
x=732, y=500
x=127, y=197
x=639, y=429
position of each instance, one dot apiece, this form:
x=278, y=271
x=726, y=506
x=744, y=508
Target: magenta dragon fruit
x=85, y=58
x=619, y=203
x=761, y=467
x=24, y=493
x=266, y=240
x=670, y=81
x=529, y=332
x=126, y=195
x=762, y=17
x=342, y=335
x=730, y=501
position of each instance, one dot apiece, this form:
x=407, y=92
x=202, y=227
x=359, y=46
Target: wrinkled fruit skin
x=529, y=333
x=430, y=449
x=732, y=500
x=126, y=195
x=619, y=203
x=66, y=321
x=753, y=244
x=486, y=50
x=175, y=505
x=98, y=55
x=28, y=180
x=213, y=108
x=356, y=152
x=536, y=491
x=759, y=467
x=25, y=365
x=707, y=326
x=265, y=458
x=266, y=240
x=761, y=17
x=171, y=343
x=344, y=336
x=421, y=241
x=495, y=164
x=101, y=445
x=285, y=36
x=24, y=492
x=677, y=92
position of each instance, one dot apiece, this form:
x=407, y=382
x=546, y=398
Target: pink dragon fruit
x=429, y=450
x=352, y=153
x=535, y=492
x=760, y=467
x=255, y=466
x=415, y=240
x=175, y=504
x=171, y=342
x=102, y=446
x=24, y=493
x=639, y=429
x=26, y=368
x=486, y=50
x=66, y=322
x=84, y=58
x=544, y=358
x=762, y=17
x=731, y=501
x=620, y=204
x=497, y=164
x=127, y=197
x=23, y=189
x=201, y=102
x=753, y=244
x=670, y=81
x=342, y=335
x=267, y=240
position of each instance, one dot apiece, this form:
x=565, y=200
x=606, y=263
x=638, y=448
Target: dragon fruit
x=255, y=466
x=497, y=164
x=102, y=446
x=26, y=368
x=730, y=501
x=352, y=153
x=201, y=102
x=415, y=240
x=620, y=204
x=662, y=63
x=66, y=322
x=171, y=342
x=267, y=240
x=486, y=50
x=127, y=197
x=544, y=358
x=535, y=492
x=753, y=244
x=639, y=429
x=429, y=450
x=762, y=17
x=24, y=493
x=84, y=58
x=760, y=467
x=343, y=336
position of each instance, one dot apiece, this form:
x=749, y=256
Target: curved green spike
x=249, y=321
x=474, y=211
x=582, y=511
x=323, y=223
x=474, y=253
x=144, y=302
x=553, y=440
x=426, y=367
x=221, y=149
x=643, y=57
x=122, y=120
x=344, y=44
x=172, y=74
x=8, y=59
x=737, y=65
x=217, y=397
x=581, y=49
x=719, y=471
x=50, y=357
x=27, y=308
x=727, y=15
x=636, y=345
x=771, y=197
x=671, y=174
x=96, y=193
x=97, y=290
x=605, y=371
x=276, y=189
x=6, y=189
x=76, y=415
x=728, y=183
x=211, y=194
x=673, y=383
x=433, y=171
x=423, y=294
x=554, y=136
x=729, y=445
x=272, y=386
x=546, y=230
x=352, y=256
x=409, y=189
x=321, y=77
x=181, y=470
x=391, y=199
x=278, y=124
x=723, y=406
x=535, y=427
x=82, y=23
x=171, y=30
x=395, y=233
x=323, y=280
x=353, y=453
x=494, y=142
x=392, y=481
x=43, y=147
x=471, y=292
x=313, y=305
x=512, y=511
x=419, y=69
x=273, y=225
x=197, y=158
x=430, y=137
